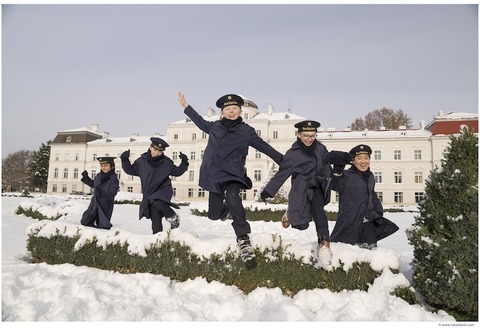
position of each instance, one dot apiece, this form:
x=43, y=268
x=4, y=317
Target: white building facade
x=401, y=161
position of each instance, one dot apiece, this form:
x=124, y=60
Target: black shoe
x=246, y=251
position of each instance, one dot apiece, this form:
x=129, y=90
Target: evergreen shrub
x=275, y=267
x=445, y=234
x=263, y=214
x=34, y=214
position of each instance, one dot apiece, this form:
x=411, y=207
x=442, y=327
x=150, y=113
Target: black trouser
x=319, y=217
x=230, y=192
x=158, y=210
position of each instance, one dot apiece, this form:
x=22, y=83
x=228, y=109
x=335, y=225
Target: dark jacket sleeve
x=179, y=170
x=128, y=167
x=262, y=146
x=284, y=172
x=199, y=121
x=87, y=181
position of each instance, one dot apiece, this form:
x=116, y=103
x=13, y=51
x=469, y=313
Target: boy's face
x=308, y=138
x=231, y=112
x=362, y=162
x=105, y=167
x=155, y=152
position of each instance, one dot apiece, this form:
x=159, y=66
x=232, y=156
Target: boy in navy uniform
x=307, y=162
x=154, y=170
x=360, y=218
x=105, y=184
x=222, y=169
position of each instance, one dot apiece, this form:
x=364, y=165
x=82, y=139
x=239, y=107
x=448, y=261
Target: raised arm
x=181, y=99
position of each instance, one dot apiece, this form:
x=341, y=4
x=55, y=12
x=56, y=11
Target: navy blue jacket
x=226, y=151
x=358, y=200
x=306, y=172
x=155, y=179
x=101, y=204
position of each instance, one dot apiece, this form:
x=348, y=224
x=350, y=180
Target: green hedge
x=275, y=267
x=263, y=214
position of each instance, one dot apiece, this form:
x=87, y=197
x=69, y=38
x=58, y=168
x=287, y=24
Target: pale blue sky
x=121, y=66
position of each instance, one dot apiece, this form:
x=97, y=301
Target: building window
x=194, y=136
x=94, y=157
x=275, y=134
x=75, y=173
x=201, y=153
x=257, y=175
x=201, y=193
x=192, y=155
x=77, y=156
x=54, y=188
x=419, y=196
x=64, y=188
x=418, y=177
x=119, y=173
x=258, y=154
x=204, y=135
x=243, y=194
x=377, y=155
x=378, y=177
x=94, y=174
x=398, y=197
x=337, y=197
x=259, y=132
x=65, y=173
x=397, y=177
x=57, y=156
x=55, y=173
x=380, y=196
x=397, y=155
x=190, y=192
x=174, y=156
x=175, y=136
x=174, y=192
x=130, y=189
x=69, y=139
x=191, y=175
x=67, y=156
x=74, y=188
x=417, y=153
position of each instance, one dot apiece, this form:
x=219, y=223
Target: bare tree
x=15, y=176
x=385, y=117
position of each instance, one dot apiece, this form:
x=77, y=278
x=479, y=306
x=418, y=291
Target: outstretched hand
x=182, y=100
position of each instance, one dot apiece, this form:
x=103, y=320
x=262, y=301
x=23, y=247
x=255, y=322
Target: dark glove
x=125, y=154
x=85, y=174
x=183, y=157
x=340, y=157
x=338, y=169
x=264, y=195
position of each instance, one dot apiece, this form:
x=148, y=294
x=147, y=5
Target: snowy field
x=41, y=293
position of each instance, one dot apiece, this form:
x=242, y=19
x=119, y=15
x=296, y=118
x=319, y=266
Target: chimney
x=94, y=127
x=422, y=125
x=211, y=112
x=105, y=135
x=270, y=109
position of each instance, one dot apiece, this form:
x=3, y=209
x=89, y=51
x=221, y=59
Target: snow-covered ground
x=43, y=293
